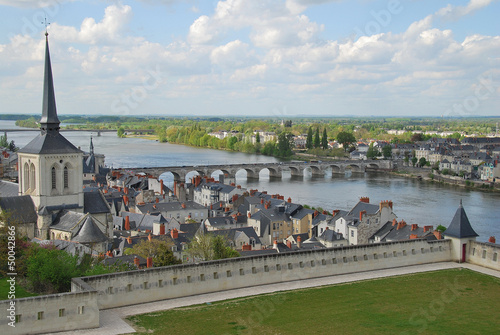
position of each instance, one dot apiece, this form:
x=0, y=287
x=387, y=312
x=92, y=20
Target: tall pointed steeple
x=49, y=123
x=91, y=146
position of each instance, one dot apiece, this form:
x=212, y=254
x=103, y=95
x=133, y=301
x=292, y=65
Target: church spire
x=49, y=123
x=91, y=146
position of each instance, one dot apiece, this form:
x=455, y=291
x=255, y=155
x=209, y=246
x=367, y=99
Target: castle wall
x=50, y=313
x=122, y=289
x=484, y=254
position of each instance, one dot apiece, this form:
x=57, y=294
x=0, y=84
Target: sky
x=270, y=58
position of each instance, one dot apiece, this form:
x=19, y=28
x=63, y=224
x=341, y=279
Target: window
x=290, y=266
x=352, y=233
x=53, y=176
x=404, y=252
x=242, y=272
x=385, y=254
x=202, y=277
x=160, y=283
x=32, y=178
x=174, y=281
x=355, y=258
x=394, y=254
x=413, y=252
x=129, y=288
x=313, y=263
x=495, y=257
x=228, y=274
x=323, y=262
x=375, y=256
x=66, y=177
x=278, y=267
x=81, y=309
x=18, y=318
x=484, y=253
x=334, y=260
x=145, y=285
x=188, y=279
x=345, y=259
x=61, y=312
x=40, y=316
x=266, y=268
x=301, y=264
x=432, y=249
x=422, y=250
x=365, y=257
x=254, y=270
x=110, y=290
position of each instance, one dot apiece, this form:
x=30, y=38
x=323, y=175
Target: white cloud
x=33, y=3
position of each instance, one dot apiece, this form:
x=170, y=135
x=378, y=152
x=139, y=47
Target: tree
x=160, y=251
x=422, y=161
x=209, y=247
x=417, y=137
x=316, y=142
x=324, y=140
x=372, y=152
x=257, y=138
x=414, y=161
x=309, y=139
x=387, y=151
x=345, y=138
x=285, y=145
x=120, y=132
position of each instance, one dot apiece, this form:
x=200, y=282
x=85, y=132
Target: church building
x=51, y=173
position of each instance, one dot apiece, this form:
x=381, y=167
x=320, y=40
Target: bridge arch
x=355, y=168
x=336, y=168
x=296, y=171
x=251, y=174
x=317, y=171
x=273, y=172
x=373, y=166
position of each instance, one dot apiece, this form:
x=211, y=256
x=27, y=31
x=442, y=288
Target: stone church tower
x=50, y=167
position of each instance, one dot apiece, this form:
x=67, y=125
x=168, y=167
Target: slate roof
x=169, y=206
x=8, y=189
x=330, y=235
x=70, y=247
x=21, y=209
x=50, y=143
x=124, y=259
x=89, y=232
x=95, y=203
x=233, y=233
x=460, y=226
x=363, y=206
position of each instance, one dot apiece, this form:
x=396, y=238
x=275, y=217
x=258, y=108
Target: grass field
x=455, y=301
x=5, y=287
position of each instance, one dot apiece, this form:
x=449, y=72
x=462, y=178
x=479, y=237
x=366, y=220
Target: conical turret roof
x=460, y=226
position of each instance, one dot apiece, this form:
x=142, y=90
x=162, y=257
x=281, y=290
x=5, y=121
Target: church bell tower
x=51, y=167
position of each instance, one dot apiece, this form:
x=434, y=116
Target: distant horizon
x=281, y=58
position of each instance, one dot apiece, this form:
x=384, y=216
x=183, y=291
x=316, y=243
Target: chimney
x=211, y=206
x=183, y=205
x=413, y=236
x=174, y=233
x=149, y=262
x=129, y=240
x=226, y=209
x=246, y=247
x=316, y=213
x=275, y=244
x=162, y=229
x=365, y=200
x=492, y=239
x=261, y=200
x=249, y=215
x=238, y=187
x=438, y=235
x=336, y=211
x=157, y=200
x=136, y=261
x=414, y=227
x=235, y=197
x=150, y=238
x=127, y=223
x=125, y=190
x=289, y=200
x=394, y=222
x=361, y=215
x=125, y=200
x=427, y=228
x=401, y=224
x=299, y=242
x=109, y=253
x=289, y=244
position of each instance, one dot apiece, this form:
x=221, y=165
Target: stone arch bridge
x=318, y=169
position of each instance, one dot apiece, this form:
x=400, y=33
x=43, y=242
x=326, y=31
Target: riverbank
x=431, y=176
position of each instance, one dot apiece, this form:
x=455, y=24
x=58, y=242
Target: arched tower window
x=66, y=177
x=32, y=179
x=54, y=176
x=26, y=177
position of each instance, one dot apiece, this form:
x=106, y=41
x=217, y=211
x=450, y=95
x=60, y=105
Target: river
x=414, y=201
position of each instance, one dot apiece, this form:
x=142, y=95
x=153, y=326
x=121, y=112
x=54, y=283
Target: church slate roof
x=50, y=143
x=460, y=226
x=21, y=208
x=89, y=233
x=95, y=203
x=8, y=189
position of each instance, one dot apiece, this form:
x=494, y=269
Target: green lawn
x=442, y=302
x=5, y=287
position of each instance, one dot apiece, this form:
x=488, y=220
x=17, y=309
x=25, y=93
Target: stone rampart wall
x=122, y=289
x=484, y=254
x=50, y=313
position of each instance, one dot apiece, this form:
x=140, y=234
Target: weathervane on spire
x=46, y=24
